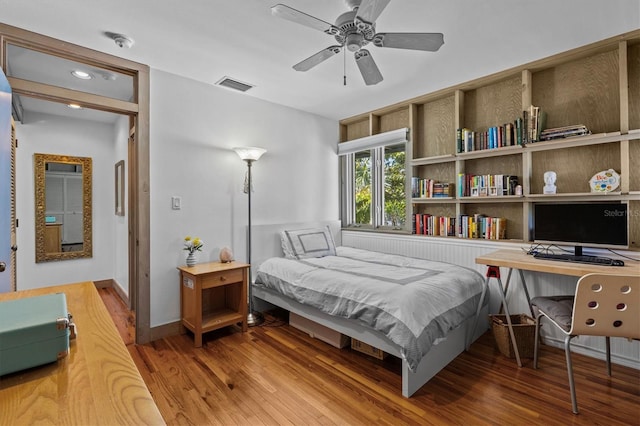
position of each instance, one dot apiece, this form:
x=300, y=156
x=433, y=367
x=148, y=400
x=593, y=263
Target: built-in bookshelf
x=596, y=86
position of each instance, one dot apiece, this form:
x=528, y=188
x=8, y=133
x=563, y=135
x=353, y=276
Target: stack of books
x=429, y=188
x=534, y=123
x=564, y=132
x=486, y=185
x=481, y=226
x=428, y=224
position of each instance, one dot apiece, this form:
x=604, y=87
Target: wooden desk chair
x=603, y=305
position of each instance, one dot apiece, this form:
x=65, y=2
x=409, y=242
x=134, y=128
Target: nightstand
x=213, y=295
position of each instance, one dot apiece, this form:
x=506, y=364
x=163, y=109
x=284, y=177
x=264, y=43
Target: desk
x=96, y=384
x=521, y=261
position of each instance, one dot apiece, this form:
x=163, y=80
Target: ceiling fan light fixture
x=74, y=106
x=354, y=42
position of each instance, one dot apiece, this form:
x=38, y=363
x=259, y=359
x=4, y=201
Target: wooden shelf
x=579, y=196
x=486, y=153
x=433, y=160
x=433, y=200
x=492, y=199
x=220, y=318
x=580, y=141
x=595, y=85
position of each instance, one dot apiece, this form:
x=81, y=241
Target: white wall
x=49, y=134
x=194, y=127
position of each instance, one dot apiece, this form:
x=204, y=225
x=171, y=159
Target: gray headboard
x=265, y=239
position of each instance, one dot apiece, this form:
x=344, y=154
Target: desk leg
x=526, y=292
x=480, y=303
x=494, y=272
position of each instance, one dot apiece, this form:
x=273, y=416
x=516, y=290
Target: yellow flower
x=192, y=244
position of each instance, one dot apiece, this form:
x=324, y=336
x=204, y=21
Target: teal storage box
x=33, y=331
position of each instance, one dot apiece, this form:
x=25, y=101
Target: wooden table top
x=520, y=260
x=212, y=267
x=96, y=384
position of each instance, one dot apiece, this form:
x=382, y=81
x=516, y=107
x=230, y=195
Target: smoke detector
x=121, y=40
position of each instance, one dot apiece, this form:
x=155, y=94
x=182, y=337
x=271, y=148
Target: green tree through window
x=394, y=186
x=363, y=187
x=391, y=184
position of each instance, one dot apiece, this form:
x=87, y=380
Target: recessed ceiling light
x=83, y=75
x=74, y=106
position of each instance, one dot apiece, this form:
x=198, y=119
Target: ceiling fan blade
x=368, y=67
x=369, y=10
x=415, y=41
x=314, y=60
x=293, y=15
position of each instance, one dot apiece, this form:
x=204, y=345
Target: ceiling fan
x=355, y=29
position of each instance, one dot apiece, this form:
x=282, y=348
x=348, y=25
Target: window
x=362, y=189
x=394, y=200
x=374, y=181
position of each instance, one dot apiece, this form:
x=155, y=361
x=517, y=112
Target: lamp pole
x=252, y=319
x=250, y=154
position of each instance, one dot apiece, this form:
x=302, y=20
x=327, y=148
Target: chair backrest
x=607, y=305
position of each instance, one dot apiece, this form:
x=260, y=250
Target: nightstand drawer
x=222, y=278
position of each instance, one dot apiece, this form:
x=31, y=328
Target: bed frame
x=266, y=240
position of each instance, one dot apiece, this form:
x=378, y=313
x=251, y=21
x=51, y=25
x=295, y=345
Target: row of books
x=522, y=130
x=480, y=226
x=429, y=188
x=508, y=134
x=464, y=226
x=564, y=132
x=486, y=185
x=427, y=224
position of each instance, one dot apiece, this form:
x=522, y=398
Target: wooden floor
x=275, y=374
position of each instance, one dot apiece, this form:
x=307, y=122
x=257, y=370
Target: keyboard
x=593, y=260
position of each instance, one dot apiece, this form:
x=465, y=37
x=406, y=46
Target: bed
x=424, y=312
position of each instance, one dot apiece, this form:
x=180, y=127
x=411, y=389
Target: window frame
x=376, y=145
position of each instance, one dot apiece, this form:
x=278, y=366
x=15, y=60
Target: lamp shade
x=249, y=153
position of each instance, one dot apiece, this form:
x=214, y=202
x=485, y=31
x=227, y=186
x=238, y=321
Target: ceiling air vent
x=231, y=83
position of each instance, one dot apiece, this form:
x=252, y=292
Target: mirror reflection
x=63, y=207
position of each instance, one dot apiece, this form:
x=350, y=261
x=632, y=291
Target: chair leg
x=572, y=386
x=608, y=344
x=536, y=343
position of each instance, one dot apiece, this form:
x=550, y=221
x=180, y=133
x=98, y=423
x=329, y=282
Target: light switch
x=176, y=203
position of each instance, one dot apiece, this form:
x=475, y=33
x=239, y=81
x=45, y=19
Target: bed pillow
x=307, y=243
x=286, y=246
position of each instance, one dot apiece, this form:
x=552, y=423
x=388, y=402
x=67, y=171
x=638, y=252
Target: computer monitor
x=590, y=224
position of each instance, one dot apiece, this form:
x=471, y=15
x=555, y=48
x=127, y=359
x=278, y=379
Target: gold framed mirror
x=63, y=202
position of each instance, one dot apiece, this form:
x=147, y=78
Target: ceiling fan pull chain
x=344, y=67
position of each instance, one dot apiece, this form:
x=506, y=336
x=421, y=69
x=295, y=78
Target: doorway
x=136, y=107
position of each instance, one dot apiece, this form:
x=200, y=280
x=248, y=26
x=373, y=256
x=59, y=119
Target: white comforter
x=412, y=301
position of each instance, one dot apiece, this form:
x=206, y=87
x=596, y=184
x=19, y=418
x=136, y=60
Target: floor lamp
x=250, y=154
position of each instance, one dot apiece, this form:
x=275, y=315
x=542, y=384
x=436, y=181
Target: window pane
x=394, y=186
x=362, y=187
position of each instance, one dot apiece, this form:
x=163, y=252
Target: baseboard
x=104, y=283
x=166, y=330
x=111, y=283
x=594, y=353
x=124, y=296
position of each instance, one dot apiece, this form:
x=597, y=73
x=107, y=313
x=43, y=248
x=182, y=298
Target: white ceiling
x=208, y=39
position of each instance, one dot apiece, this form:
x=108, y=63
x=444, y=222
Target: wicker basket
x=524, y=329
